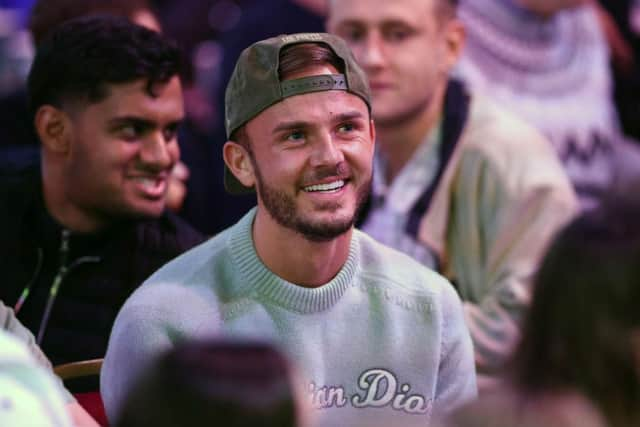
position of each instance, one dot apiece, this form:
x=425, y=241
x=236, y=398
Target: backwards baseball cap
x=255, y=83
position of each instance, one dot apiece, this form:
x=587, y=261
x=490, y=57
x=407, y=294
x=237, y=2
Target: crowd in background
x=531, y=213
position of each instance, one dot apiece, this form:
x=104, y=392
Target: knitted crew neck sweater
x=383, y=343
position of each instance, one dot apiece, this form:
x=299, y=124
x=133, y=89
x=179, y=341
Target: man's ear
x=237, y=159
x=454, y=37
x=53, y=127
x=372, y=130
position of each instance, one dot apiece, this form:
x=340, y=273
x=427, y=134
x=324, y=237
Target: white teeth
x=149, y=184
x=331, y=186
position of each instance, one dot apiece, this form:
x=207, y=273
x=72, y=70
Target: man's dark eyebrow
x=395, y=23
x=138, y=121
x=390, y=22
x=131, y=120
x=350, y=23
x=284, y=126
x=351, y=115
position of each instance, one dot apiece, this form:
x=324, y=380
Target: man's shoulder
x=208, y=268
x=392, y=268
x=193, y=279
x=198, y=266
x=493, y=127
x=505, y=142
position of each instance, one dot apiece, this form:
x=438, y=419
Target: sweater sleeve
x=11, y=324
x=29, y=394
x=456, y=373
x=152, y=321
x=510, y=201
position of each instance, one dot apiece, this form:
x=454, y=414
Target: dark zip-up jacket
x=67, y=287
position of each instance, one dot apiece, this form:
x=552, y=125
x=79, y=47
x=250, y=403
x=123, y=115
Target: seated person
x=378, y=337
x=83, y=230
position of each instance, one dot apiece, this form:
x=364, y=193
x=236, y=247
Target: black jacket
x=95, y=273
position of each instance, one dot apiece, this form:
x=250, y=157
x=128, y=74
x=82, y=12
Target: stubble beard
x=282, y=207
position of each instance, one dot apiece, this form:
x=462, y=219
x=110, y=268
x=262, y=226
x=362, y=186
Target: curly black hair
x=83, y=56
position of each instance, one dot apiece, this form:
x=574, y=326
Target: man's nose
x=371, y=53
x=326, y=151
x=155, y=152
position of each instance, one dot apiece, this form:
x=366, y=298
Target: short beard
x=282, y=208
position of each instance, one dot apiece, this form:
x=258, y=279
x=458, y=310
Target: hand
x=177, y=188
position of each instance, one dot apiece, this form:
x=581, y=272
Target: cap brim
x=232, y=185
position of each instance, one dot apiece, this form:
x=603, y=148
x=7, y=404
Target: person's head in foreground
x=226, y=383
x=300, y=133
x=106, y=100
x=579, y=358
x=29, y=394
x=583, y=331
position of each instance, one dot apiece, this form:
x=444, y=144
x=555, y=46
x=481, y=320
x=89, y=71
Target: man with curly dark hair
x=83, y=230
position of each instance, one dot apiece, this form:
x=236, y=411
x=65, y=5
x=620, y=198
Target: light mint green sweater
x=10, y=324
x=30, y=395
x=383, y=343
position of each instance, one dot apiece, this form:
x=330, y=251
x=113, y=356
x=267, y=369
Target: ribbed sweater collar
x=258, y=279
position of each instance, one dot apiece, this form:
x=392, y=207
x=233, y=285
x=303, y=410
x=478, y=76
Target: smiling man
x=87, y=227
x=380, y=339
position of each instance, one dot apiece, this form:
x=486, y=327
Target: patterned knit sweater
x=554, y=73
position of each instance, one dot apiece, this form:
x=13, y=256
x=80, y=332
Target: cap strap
x=313, y=84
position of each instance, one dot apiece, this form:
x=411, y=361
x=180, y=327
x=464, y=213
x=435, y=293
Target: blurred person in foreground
x=86, y=227
x=216, y=382
x=378, y=337
x=548, y=61
x=29, y=395
x=578, y=363
x=11, y=357
x=459, y=184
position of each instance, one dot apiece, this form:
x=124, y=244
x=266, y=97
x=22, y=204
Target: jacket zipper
x=63, y=270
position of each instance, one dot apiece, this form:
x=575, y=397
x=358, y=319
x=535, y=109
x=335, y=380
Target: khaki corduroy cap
x=255, y=84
